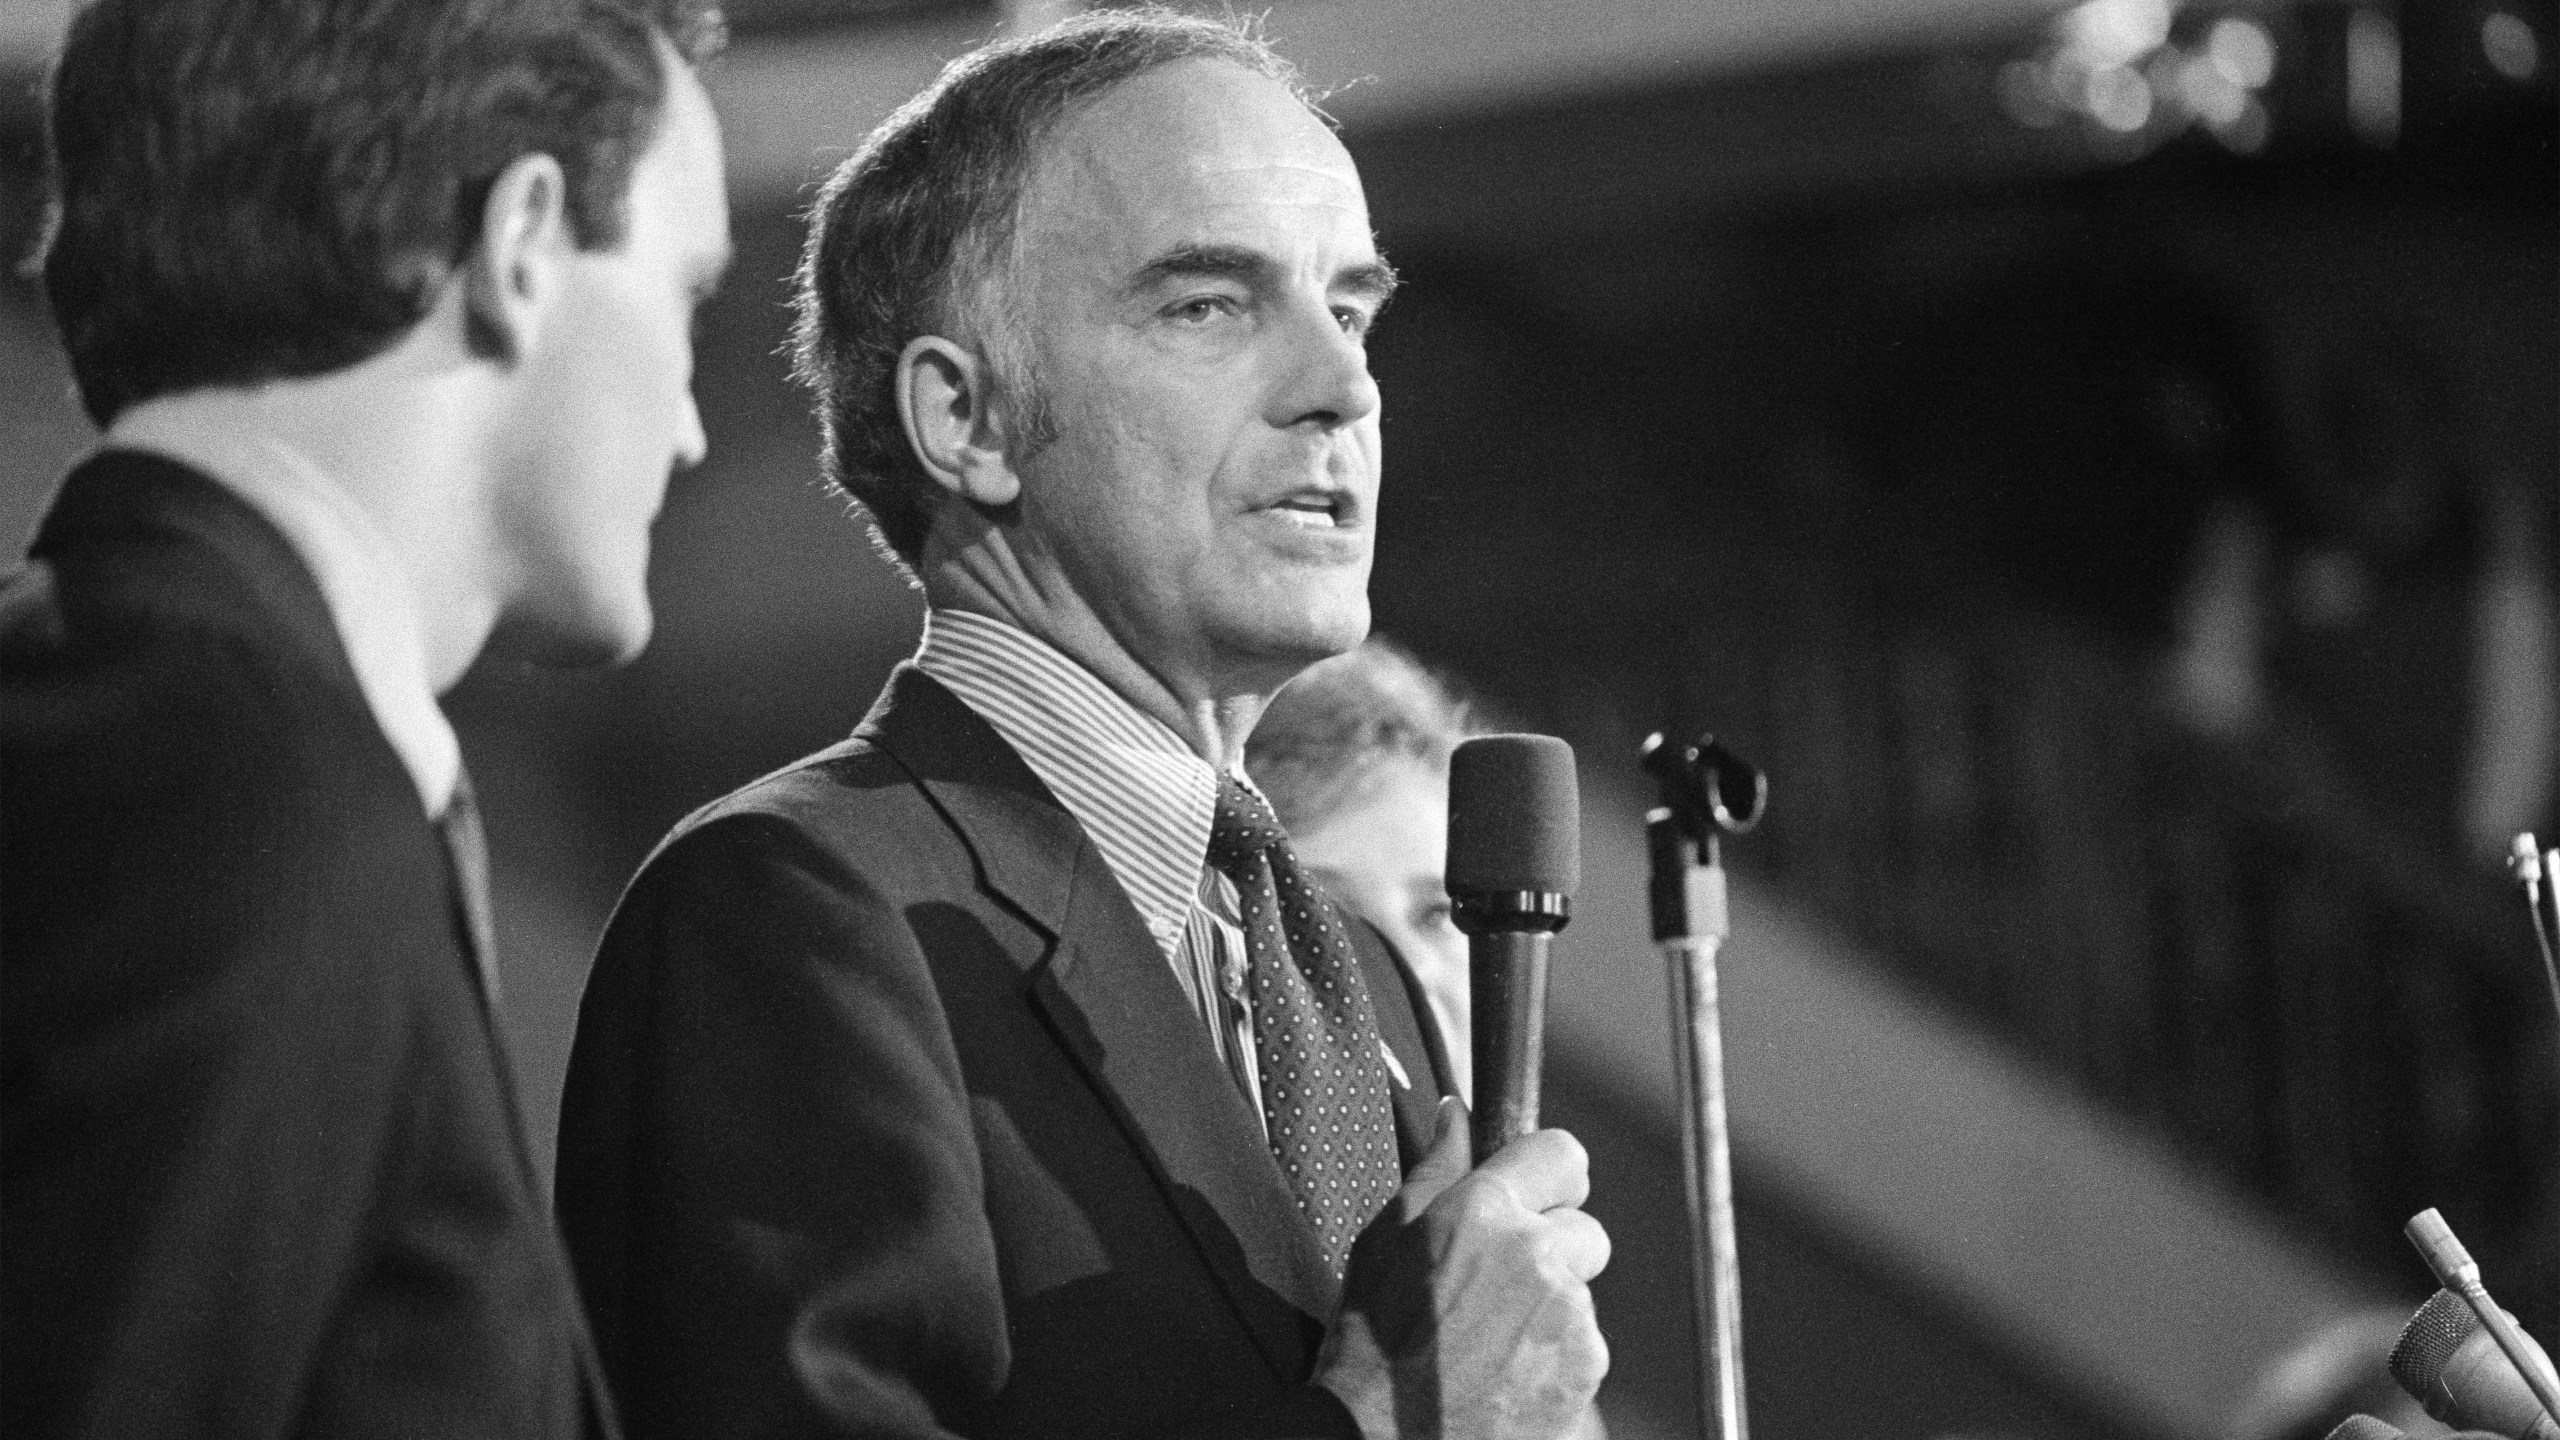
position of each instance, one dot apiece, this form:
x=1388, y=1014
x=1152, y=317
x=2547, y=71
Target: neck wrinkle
x=1084, y=639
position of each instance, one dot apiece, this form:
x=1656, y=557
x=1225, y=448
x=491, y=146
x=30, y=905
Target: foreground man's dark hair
x=251, y=190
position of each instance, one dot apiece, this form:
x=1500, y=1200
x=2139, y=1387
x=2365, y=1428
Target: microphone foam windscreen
x=1515, y=816
x=2431, y=1337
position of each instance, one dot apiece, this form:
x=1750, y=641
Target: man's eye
x=1354, y=322
x=1202, y=309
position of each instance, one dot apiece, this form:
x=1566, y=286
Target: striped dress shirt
x=1140, y=792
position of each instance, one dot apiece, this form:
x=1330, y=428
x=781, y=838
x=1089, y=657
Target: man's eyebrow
x=1203, y=262
x=1374, y=281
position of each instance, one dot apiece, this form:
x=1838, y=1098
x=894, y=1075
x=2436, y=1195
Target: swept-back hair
x=250, y=190
x=914, y=234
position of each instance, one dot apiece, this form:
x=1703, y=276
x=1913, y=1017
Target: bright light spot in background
x=2210, y=91
x=2107, y=34
x=2112, y=65
x=2511, y=46
x=2373, y=76
x=2118, y=99
x=2242, y=51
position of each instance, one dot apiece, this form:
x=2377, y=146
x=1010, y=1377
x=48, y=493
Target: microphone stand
x=2539, y=873
x=1699, y=786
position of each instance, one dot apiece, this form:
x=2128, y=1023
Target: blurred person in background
x=1354, y=755
x=1000, y=1070
x=383, y=308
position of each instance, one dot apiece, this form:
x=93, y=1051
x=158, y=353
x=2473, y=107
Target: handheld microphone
x=1515, y=855
x=2450, y=1363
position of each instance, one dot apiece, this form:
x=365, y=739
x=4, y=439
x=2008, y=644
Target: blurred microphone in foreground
x=2451, y=1363
x=2463, y=1358
x=2365, y=1427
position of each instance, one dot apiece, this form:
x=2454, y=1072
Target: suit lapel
x=1113, y=1002
x=1110, y=995
x=1398, y=1006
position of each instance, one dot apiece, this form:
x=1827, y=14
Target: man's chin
x=594, y=638
x=1287, y=646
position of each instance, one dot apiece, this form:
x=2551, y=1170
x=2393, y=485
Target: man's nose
x=1326, y=380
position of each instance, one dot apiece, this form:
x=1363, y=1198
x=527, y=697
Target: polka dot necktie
x=1324, y=1087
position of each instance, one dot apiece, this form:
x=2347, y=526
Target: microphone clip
x=1708, y=789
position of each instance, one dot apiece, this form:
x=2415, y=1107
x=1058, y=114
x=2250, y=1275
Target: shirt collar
x=1143, y=796
x=361, y=578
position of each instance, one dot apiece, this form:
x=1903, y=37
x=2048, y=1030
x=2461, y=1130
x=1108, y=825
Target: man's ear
x=946, y=400
x=513, y=274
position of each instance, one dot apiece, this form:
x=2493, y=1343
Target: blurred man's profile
x=382, y=307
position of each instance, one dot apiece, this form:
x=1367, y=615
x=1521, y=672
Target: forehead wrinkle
x=1189, y=137
x=1151, y=181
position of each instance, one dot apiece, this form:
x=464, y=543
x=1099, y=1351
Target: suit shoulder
x=852, y=799
x=174, y=728
x=848, y=834
x=157, y=716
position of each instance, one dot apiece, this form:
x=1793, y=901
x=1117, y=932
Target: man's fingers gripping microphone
x=1576, y=1244
x=1443, y=1166
x=1543, y=1170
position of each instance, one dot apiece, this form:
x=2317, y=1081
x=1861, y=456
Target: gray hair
x=916, y=234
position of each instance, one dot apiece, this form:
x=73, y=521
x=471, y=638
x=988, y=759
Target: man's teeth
x=1303, y=513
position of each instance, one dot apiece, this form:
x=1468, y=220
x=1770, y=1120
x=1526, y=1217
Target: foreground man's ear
x=946, y=400
x=513, y=271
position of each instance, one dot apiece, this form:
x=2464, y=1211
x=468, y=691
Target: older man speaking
x=999, y=1071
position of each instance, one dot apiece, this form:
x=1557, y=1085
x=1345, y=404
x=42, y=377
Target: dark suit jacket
x=887, y=1117
x=260, y=1170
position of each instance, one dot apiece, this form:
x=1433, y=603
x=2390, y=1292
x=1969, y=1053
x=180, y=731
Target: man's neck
x=1213, y=719
x=397, y=453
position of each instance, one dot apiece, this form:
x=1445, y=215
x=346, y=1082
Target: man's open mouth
x=1317, y=510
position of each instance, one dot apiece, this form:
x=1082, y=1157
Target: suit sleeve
x=769, y=1179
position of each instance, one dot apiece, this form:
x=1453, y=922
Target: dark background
x=1819, y=400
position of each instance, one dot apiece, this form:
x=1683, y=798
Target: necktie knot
x=1242, y=831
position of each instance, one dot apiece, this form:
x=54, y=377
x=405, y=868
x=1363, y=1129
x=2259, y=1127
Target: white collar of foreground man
x=371, y=598
x=1143, y=795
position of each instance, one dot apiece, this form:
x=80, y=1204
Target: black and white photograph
x=1321, y=720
